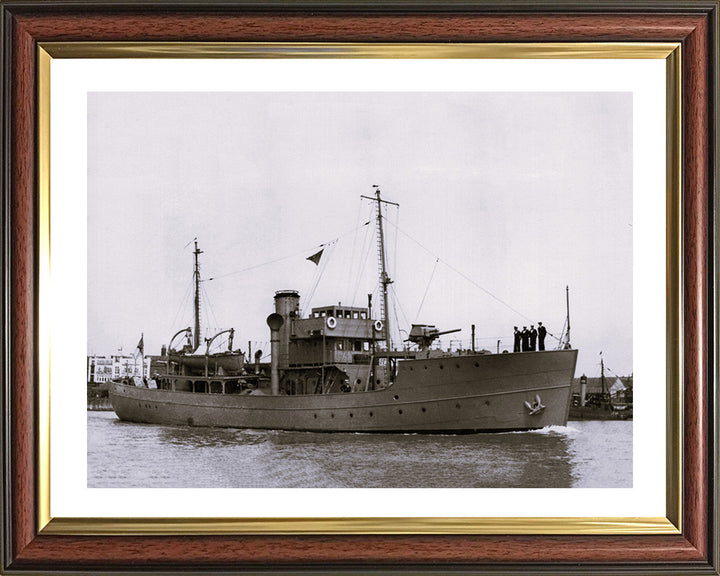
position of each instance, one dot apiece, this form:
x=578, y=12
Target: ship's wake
x=557, y=430
x=553, y=430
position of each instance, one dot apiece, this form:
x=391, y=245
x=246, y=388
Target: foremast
x=385, y=279
x=196, y=277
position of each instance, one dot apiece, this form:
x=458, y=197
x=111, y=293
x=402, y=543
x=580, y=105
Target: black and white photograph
x=360, y=289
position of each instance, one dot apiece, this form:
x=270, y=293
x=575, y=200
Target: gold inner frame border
x=670, y=524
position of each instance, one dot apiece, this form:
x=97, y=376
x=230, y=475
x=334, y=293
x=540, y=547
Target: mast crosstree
x=385, y=280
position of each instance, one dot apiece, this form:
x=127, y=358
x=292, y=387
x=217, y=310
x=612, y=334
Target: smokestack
x=583, y=389
x=275, y=322
x=473, y=337
x=287, y=304
x=258, y=355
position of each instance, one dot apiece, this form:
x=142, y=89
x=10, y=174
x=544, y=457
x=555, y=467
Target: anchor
x=536, y=407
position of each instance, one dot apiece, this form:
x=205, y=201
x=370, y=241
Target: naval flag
x=141, y=345
x=315, y=258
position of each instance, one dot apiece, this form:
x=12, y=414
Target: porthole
x=425, y=367
x=396, y=397
x=457, y=365
x=476, y=365
x=487, y=402
x=423, y=409
x=457, y=405
x=399, y=411
x=332, y=415
x=441, y=367
x=371, y=414
x=351, y=415
x=315, y=416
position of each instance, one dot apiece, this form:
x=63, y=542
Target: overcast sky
x=505, y=198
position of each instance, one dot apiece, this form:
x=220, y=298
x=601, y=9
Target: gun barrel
x=446, y=332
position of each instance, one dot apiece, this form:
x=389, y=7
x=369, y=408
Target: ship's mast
x=385, y=280
x=602, y=376
x=567, y=306
x=196, y=275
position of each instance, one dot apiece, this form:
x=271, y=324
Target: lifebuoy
x=331, y=322
x=378, y=325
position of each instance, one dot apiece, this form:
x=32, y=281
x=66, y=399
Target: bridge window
x=363, y=315
x=356, y=315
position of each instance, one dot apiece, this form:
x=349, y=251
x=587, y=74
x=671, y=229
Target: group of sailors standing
x=526, y=340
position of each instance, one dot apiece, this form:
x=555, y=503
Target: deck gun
x=424, y=334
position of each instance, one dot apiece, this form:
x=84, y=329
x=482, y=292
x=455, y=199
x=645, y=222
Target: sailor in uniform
x=525, y=337
x=533, y=337
x=516, y=343
x=542, y=331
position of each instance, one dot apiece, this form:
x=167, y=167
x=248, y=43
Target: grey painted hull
x=465, y=393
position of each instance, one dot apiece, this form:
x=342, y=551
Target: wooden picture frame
x=31, y=546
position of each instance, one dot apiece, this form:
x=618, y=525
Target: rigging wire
x=426, y=289
x=182, y=303
x=613, y=373
x=275, y=260
x=357, y=265
x=396, y=225
x=367, y=247
x=255, y=266
x=562, y=335
x=396, y=301
x=319, y=267
x=461, y=274
x=328, y=249
x=351, y=260
x=209, y=305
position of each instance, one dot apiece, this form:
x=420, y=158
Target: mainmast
x=385, y=280
x=196, y=275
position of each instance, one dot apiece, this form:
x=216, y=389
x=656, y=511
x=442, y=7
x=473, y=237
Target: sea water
x=594, y=454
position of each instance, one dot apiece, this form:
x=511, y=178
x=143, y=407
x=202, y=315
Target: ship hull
x=453, y=394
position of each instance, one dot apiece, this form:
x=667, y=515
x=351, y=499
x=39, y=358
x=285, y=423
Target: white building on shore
x=105, y=368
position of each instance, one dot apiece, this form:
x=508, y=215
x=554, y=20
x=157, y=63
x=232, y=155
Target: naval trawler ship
x=333, y=370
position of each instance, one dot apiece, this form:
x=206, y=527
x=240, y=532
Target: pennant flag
x=141, y=345
x=315, y=258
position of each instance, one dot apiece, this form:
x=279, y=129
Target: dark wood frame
x=692, y=23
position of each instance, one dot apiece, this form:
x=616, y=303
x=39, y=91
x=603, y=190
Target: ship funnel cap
x=287, y=294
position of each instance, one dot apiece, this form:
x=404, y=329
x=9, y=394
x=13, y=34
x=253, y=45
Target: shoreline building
x=102, y=369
